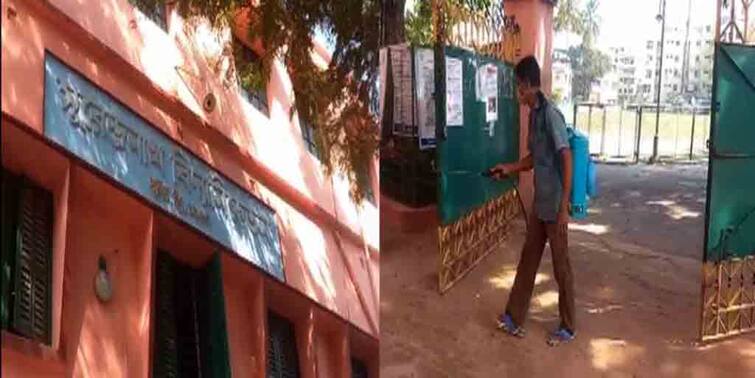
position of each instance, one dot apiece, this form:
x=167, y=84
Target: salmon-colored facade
x=329, y=245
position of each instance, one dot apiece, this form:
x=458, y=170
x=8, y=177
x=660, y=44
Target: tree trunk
x=393, y=22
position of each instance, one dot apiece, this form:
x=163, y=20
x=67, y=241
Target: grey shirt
x=547, y=137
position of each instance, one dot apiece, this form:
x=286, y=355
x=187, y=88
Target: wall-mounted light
x=11, y=12
x=103, y=287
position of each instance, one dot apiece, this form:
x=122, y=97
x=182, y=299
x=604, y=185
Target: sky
x=628, y=22
x=625, y=22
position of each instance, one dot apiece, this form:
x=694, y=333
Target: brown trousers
x=519, y=299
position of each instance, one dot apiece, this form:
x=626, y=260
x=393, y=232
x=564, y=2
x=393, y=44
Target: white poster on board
x=487, y=82
x=454, y=93
x=425, y=79
x=382, y=82
x=491, y=109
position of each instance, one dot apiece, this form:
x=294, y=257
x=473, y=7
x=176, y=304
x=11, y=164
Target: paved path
x=637, y=270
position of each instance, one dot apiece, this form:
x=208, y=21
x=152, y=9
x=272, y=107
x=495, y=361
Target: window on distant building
x=676, y=87
x=157, y=14
x=26, y=258
x=253, y=90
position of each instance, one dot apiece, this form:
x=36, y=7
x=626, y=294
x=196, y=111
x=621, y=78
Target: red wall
x=329, y=244
x=94, y=218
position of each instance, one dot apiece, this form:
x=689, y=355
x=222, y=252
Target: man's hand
x=503, y=170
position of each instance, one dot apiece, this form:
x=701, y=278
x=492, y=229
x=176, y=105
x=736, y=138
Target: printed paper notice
x=425, y=72
x=382, y=83
x=487, y=82
x=454, y=93
x=401, y=67
x=491, y=109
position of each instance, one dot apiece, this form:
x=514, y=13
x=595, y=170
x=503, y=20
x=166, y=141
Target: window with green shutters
x=25, y=300
x=282, y=355
x=358, y=369
x=191, y=338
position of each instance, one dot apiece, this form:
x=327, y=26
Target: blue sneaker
x=506, y=324
x=561, y=336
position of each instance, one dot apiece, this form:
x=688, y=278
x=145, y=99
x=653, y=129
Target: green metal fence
x=730, y=216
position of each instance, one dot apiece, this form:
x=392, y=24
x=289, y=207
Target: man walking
x=551, y=159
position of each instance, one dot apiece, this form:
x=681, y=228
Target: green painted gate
x=728, y=291
x=474, y=211
x=468, y=150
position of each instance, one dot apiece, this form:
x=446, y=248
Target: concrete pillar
x=343, y=348
x=535, y=18
x=305, y=337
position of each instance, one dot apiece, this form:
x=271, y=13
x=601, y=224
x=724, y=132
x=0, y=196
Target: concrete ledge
x=408, y=219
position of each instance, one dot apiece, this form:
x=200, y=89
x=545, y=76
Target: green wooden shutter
x=190, y=334
x=282, y=355
x=187, y=328
x=7, y=244
x=358, y=369
x=213, y=336
x=176, y=347
x=31, y=309
x=165, y=353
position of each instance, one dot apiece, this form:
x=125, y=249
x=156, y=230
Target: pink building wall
x=329, y=244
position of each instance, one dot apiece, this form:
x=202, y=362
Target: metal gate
x=475, y=212
x=476, y=126
x=728, y=287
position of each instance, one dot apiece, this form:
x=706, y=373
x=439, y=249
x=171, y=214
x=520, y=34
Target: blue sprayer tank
x=580, y=148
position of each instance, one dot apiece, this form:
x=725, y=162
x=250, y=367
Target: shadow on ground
x=637, y=272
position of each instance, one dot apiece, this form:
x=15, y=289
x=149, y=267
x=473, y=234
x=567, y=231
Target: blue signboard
x=90, y=124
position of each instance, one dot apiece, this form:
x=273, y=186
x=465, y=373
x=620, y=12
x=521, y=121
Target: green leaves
x=588, y=65
x=419, y=29
x=334, y=100
x=585, y=22
x=568, y=17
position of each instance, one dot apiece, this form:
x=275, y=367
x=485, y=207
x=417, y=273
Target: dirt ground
x=637, y=274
